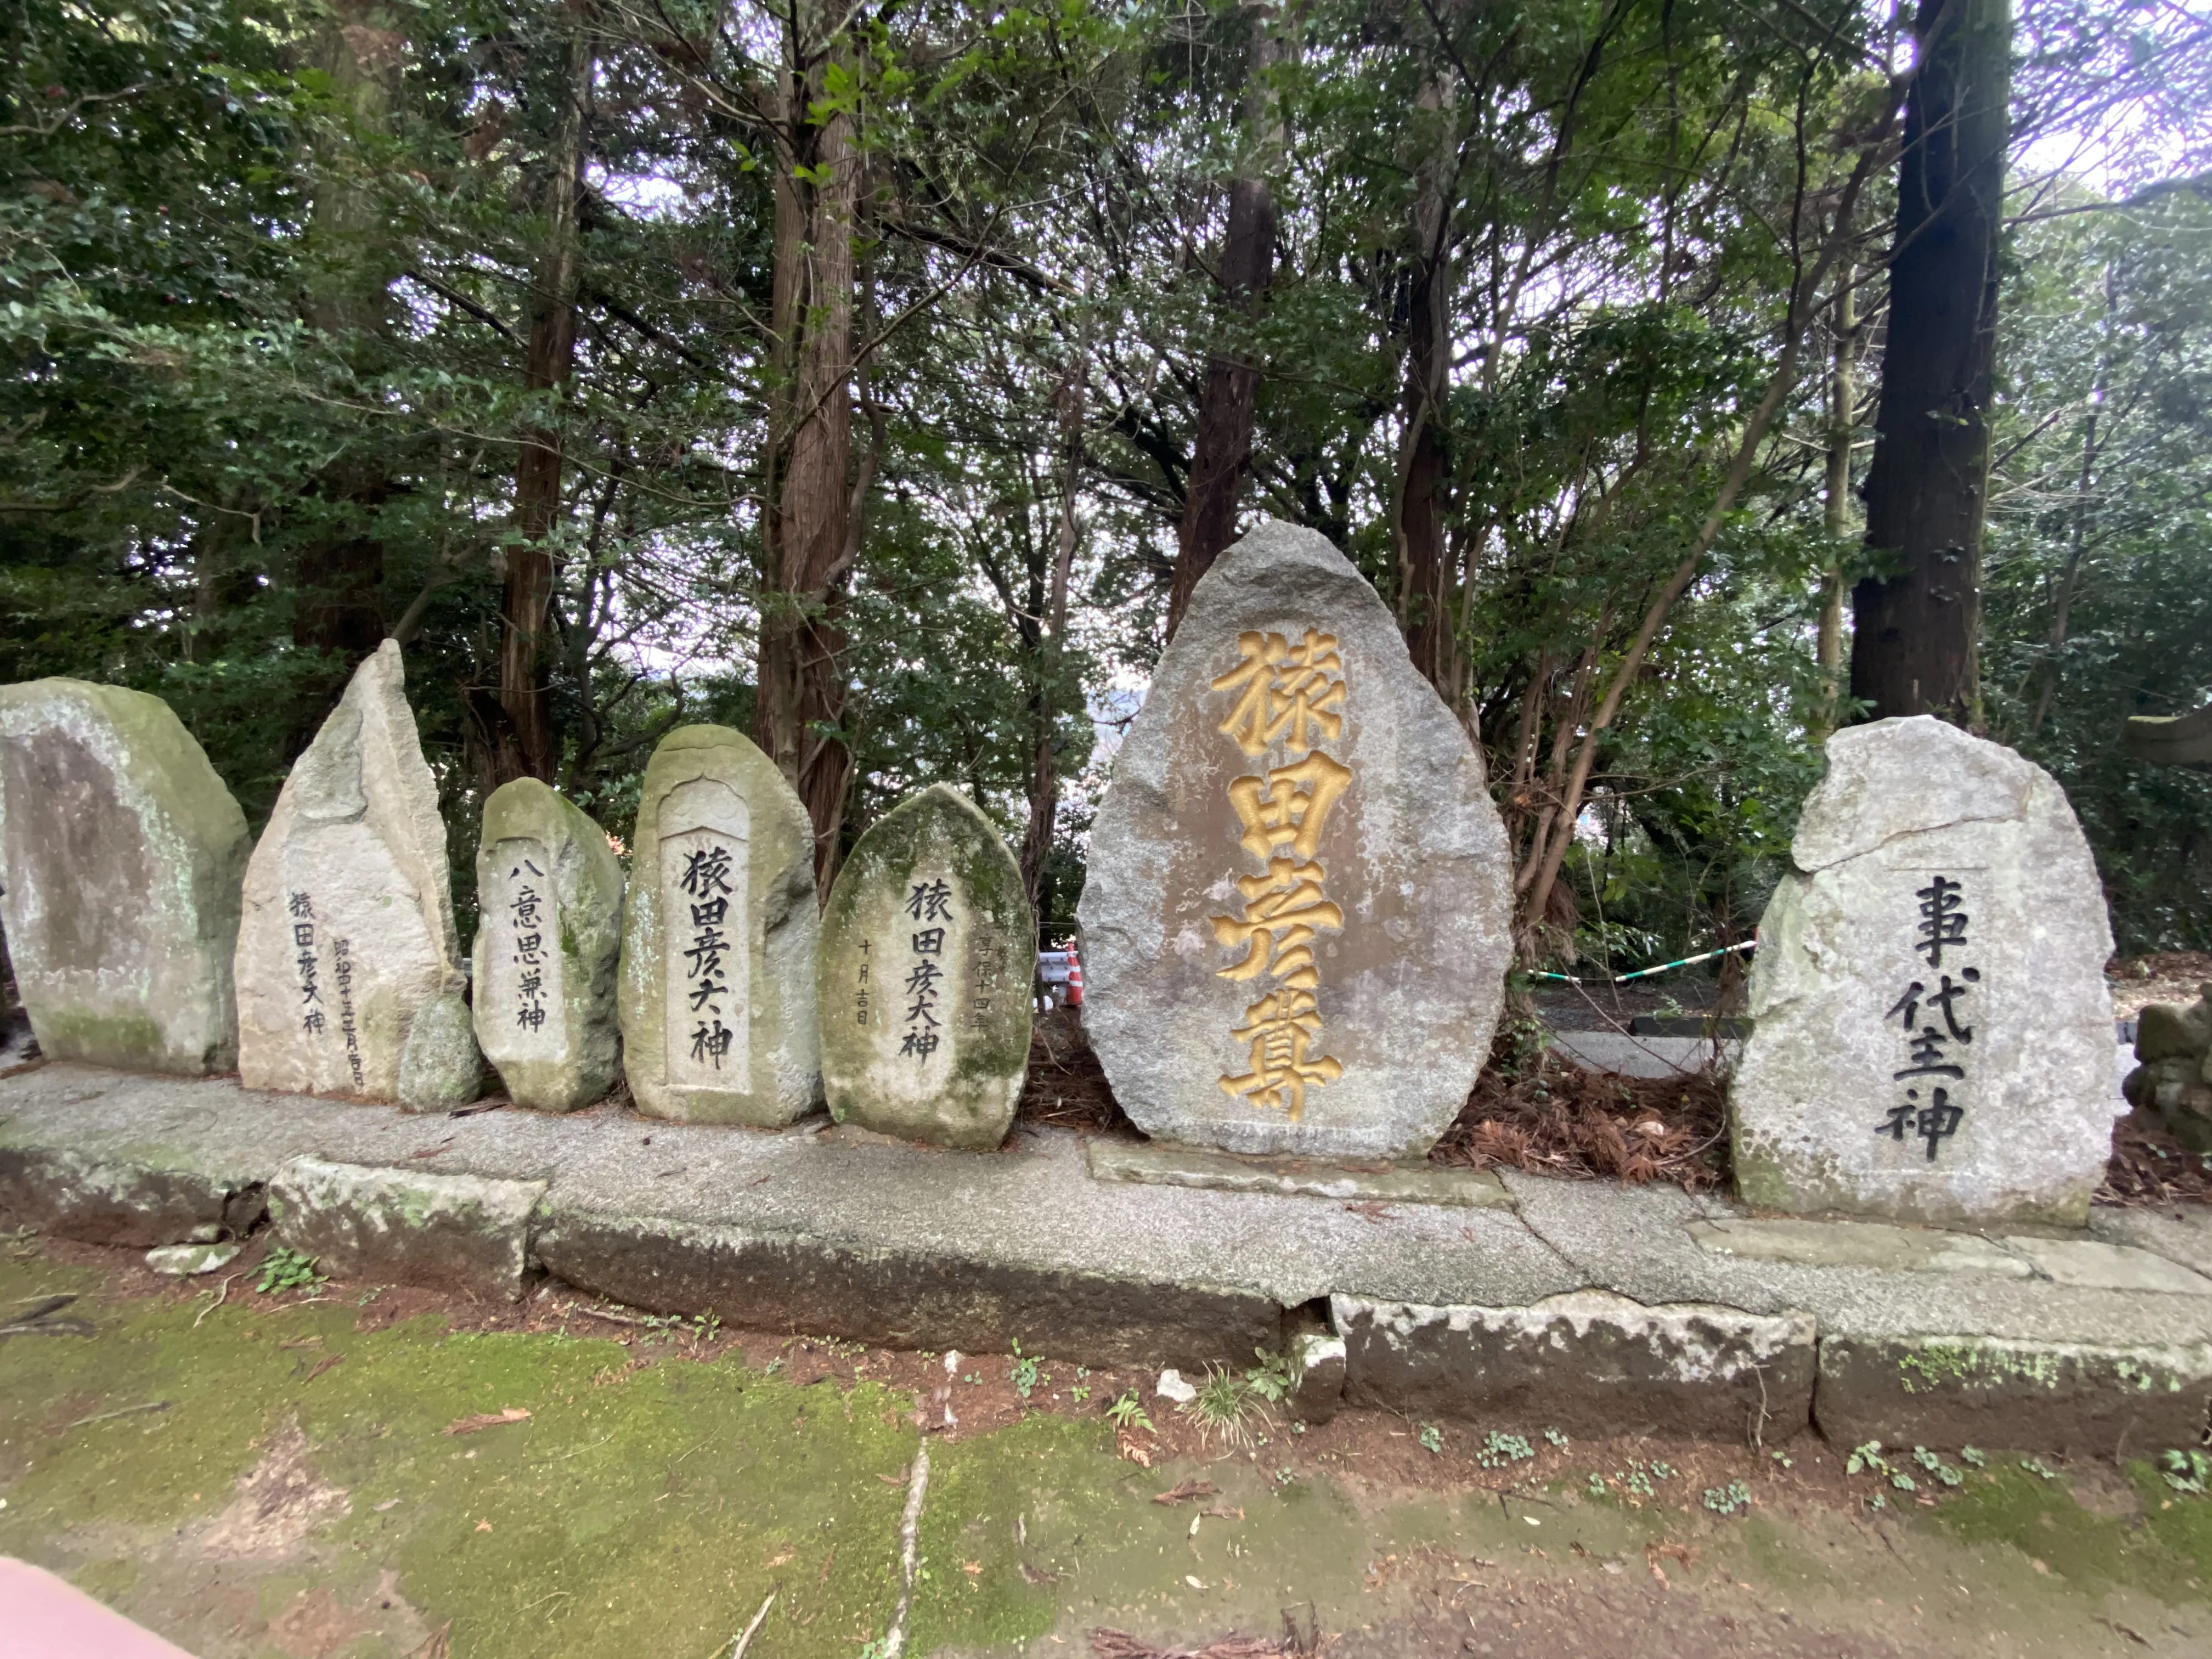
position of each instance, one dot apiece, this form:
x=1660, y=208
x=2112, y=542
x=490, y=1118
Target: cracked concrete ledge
x=911, y=1246
x=452, y=1232
x=1167, y=1165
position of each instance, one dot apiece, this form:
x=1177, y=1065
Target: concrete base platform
x=1709, y=1321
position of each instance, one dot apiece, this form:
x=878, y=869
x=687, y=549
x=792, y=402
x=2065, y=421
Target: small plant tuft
x=1498, y=1450
x=2036, y=1467
x=283, y=1269
x=1732, y=1499
x=1026, y=1375
x=1867, y=1458
x=1225, y=1405
x=1128, y=1413
x=1553, y=1437
x=1431, y=1438
x=2187, y=1471
x=1970, y=1458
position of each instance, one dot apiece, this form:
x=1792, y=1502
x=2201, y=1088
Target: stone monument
x=1295, y=920
x=2172, y=1087
x=549, y=893
x=718, y=932
x=348, y=925
x=1932, y=1038
x=121, y=855
x=928, y=950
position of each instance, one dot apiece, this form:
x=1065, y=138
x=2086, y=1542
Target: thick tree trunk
x=338, y=575
x=527, y=744
x=1913, y=650
x=1222, y=448
x=1044, y=750
x=806, y=543
x=1424, y=573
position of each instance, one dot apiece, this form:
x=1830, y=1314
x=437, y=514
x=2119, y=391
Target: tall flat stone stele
x=550, y=895
x=719, y=932
x=1932, y=1038
x=1295, y=924
x=349, y=926
x=928, y=950
x=121, y=854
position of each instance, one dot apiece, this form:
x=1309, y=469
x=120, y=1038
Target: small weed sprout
x=1597, y=1487
x=1937, y=1467
x=1553, y=1437
x=1026, y=1375
x=1273, y=1379
x=1731, y=1499
x=2036, y=1466
x=2187, y=1471
x=283, y=1269
x=1127, y=1413
x=1784, y=1459
x=1878, y=1502
x=1078, y=1393
x=1498, y=1450
x=1431, y=1438
x=1868, y=1457
x=1904, y=1482
x=1970, y=1458
x=1225, y=1405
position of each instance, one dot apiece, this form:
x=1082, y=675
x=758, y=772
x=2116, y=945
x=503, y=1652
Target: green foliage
x=1128, y=1413
x=2186, y=1472
x=1734, y=1498
x=1431, y=1438
x=1499, y=1450
x=284, y=1269
x=1026, y=1376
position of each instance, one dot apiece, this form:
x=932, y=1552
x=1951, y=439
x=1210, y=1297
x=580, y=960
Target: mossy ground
x=298, y=1494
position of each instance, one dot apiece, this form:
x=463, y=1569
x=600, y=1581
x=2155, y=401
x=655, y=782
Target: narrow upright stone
x=121, y=854
x=550, y=894
x=928, y=948
x=1932, y=1036
x=719, y=932
x=1295, y=925
x=349, y=926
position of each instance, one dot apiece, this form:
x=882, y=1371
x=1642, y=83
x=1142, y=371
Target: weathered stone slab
x=348, y=925
x=549, y=892
x=2020, y=1396
x=1860, y=1244
x=718, y=936
x=2172, y=1087
x=121, y=857
x=1294, y=919
x=157, y=1197
x=929, y=947
x=1165, y=1165
x=450, y=1232
x=1932, y=1035
x=1588, y=1362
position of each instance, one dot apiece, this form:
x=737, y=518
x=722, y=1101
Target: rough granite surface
x=927, y=953
x=1294, y=925
x=455, y=1232
x=549, y=897
x=348, y=921
x=716, y=984
x=440, y=1067
x=121, y=859
x=1932, y=1033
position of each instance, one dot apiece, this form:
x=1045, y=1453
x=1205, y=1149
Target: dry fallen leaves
x=487, y=1420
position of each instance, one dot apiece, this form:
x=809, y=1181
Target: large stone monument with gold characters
x=1295, y=923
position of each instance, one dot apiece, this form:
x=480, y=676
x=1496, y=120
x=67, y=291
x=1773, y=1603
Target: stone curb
x=452, y=1232
x=1159, y=1163
x=1966, y=1390
x=1587, y=1362
x=901, y=1300
x=99, y=1199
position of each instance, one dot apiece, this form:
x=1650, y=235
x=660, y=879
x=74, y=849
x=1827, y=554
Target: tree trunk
x=1913, y=649
x=805, y=528
x=338, y=575
x=2078, y=534
x=1222, y=448
x=527, y=745
x=1836, y=515
x=1424, y=573
x=1044, y=751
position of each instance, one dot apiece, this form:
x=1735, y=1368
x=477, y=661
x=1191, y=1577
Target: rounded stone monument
x=1932, y=1036
x=719, y=931
x=121, y=857
x=1295, y=919
x=928, y=950
x=349, y=926
x=549, y=938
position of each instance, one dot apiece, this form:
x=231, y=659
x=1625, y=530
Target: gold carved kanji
x=1294, y=695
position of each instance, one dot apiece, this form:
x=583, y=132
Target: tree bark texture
x=1836, y=511
x=1221, y=451
x=1913, y=648
x=527, y=746
x=806, y=546
x=1044, y=750
x=1425, y=574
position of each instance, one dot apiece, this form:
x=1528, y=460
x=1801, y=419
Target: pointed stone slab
x=719, y=934
x=1295, y=924
x=121, y=856
x=1932, y=1035
x=348, y=926
x=928, y=950
x=550, y=894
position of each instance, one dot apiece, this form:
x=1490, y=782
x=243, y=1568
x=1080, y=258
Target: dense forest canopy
x=878, y=379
